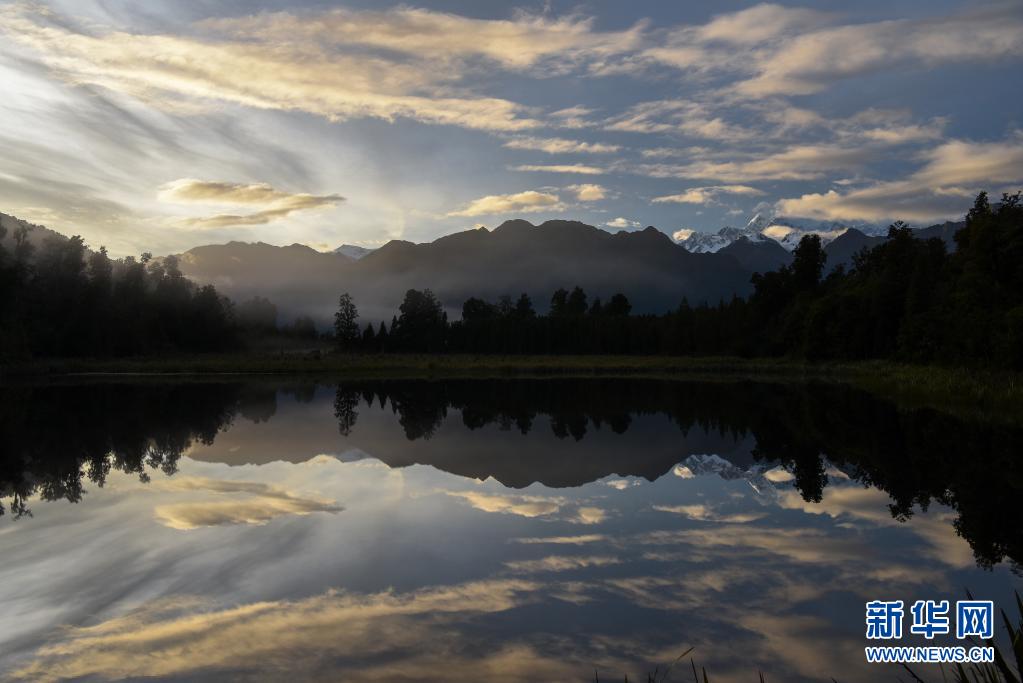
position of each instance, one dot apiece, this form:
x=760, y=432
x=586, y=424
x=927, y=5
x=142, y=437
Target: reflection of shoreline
x=559, y=432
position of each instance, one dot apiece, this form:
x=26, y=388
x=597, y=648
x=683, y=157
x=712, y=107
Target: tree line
x=906, y=299
x=68, y=301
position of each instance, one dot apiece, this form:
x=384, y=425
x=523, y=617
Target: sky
x=162, y=125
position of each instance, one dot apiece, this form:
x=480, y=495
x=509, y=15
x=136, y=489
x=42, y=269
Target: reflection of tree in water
x=54, y=437
x=916, y=456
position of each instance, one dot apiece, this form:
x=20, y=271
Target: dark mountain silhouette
x=841, y=250
x=944, y=231
x=758, y=257
x=515, y=257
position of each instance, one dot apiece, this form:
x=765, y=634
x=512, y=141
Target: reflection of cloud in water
x=854, y=505
x=706, y=513
x=561, y=563
x=547, y=507
x=332, y=635
x=589, y=515
x=524, y=506
x=260, y=504
x=563, y=540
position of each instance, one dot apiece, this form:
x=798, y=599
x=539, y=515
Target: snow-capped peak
x=785, y=230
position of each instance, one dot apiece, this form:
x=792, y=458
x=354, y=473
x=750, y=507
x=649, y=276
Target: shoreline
x=987, y=394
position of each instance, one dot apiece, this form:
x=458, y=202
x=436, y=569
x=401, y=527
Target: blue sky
x=163, y=125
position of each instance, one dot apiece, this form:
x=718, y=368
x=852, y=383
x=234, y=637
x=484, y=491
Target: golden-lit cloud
x=523, y=42
x=561, y=563
x=798, y=162
x=707, y=195
x=582, y=169
x=379, y=634
x=563, y=540
x=815, y=60
x=520, y=202
x=952, y=174
x=250, y=503
x=278, y=204
x=523, y=506
x=589, y=515
x=290, y=73
x=550, y=507
x=707, y=513
x=588, y=192
x=560, y=146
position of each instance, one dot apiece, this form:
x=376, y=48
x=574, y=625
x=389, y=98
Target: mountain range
x=654, y=271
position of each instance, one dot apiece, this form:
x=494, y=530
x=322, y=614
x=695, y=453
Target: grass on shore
x=985, y=394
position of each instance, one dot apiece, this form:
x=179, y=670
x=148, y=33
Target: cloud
x=623, y=223
x=952, y=174
x=278, y=204
x=588, y=192
x=678, y=116
x=816, y=60
x=589, y=515
x=576, y=116
x=561, y=146
x=260, y=504
x=563, y=540
x=257, y=63
x=521, y=202
x=799, y=162
x=526, y=41
x=531, y=506
x=705, y=513
x=523, y=506
x=561, y=563
x=707, y=195
x=562, y=168
x=333, y=635
x=758, y=24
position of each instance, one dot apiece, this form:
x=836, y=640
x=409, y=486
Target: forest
x=66, y=301
x=906, y=299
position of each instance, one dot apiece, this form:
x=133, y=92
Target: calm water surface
x=519, y=530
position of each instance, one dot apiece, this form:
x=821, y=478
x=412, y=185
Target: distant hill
x=517, y=256
x=758, y=256
x=353, y=251
x=647, y=266
x=37, y=234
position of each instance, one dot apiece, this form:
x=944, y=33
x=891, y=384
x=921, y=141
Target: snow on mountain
x=352, y=251
x=764, y=489
x=785, y=230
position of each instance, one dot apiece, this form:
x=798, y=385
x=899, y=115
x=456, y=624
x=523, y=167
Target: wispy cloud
x=953, y=172
x=707, y=195
x=582, y=169
x=561, y=146
x=277, y=203
x=250, y=503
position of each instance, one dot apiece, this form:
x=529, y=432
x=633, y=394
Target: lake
x=485, y=530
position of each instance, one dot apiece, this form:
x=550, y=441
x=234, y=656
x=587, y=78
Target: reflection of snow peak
x=699, y=465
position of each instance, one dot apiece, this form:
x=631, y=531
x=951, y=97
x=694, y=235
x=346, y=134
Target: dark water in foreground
x=517, y=530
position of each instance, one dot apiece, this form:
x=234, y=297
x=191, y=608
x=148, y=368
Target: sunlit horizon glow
x=169, y=127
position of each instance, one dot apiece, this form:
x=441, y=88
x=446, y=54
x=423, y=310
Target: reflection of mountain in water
x=560, y=432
